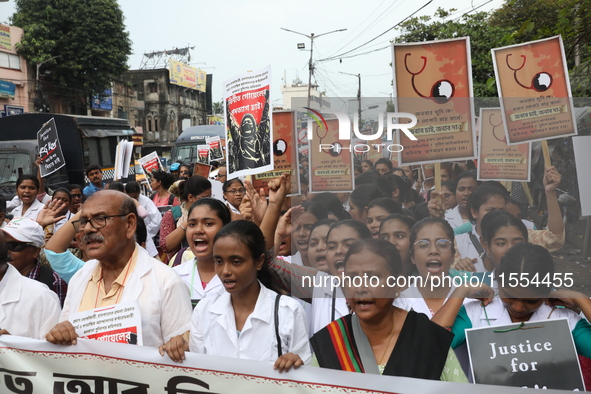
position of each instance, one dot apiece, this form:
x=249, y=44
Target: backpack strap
x=279, y=350
x=179, y=257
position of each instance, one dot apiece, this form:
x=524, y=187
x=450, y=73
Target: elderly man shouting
x=121, y=272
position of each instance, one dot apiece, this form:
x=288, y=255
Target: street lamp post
x=37, y=75
x=358, y=95
x=310, y=64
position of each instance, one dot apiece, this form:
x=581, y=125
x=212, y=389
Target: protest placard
x=203, y=154
x=285, y=153
x=249, y=140
x=215, y=148
x=202, y=169
x=534, y=88
x=433, y=81
x=50, y=150
x=120, y=323
x=541, y=354
x=149, y=163
x=497, y=160
x=331, y=160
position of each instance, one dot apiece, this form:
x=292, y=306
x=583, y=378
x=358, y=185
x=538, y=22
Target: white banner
x=33, y=366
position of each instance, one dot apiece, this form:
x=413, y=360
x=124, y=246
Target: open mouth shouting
x=340, y=266
x=434, y=266
x=363, y=304
x=201, y=245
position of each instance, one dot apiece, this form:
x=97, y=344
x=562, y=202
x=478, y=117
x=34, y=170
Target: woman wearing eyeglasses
x=432, y=252
x=233, y=193
x=76, y=193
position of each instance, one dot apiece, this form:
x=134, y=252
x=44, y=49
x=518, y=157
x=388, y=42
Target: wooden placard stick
x=546, y=153
x=437, y=168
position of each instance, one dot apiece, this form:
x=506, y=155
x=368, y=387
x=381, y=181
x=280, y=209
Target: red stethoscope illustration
x=441, y=91
x=540, y=82
x=335, y=149
x=494, y=126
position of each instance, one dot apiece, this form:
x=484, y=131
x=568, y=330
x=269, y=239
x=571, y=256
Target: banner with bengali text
x=32, y=366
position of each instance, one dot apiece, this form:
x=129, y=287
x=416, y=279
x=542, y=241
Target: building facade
x=15, y=86
x=161, y=109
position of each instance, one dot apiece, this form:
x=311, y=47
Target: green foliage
x=483, y=37
x=82, y=42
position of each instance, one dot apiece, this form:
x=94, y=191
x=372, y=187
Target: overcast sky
x=233, y=36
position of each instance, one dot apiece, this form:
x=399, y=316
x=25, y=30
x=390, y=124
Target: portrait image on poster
x=498, y=161
x=216, y=151
x=284, y=153
x=331, y=161
x=433, y=81
x=203, y=154
x=248, y=123
x=534, y=88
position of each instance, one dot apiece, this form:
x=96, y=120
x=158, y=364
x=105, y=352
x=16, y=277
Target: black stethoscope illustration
x=540, y=82
x=441, y=91
x=335, y=149
x=494, y=126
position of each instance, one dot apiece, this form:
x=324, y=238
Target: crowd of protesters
x=220, y=268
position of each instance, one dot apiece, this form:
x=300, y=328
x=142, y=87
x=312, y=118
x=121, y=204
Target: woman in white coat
x=231, y=323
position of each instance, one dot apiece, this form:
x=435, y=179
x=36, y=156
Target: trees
x=82, y=43
x=483, y=37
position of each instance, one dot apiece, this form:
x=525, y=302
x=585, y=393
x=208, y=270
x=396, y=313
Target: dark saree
x=420, y=351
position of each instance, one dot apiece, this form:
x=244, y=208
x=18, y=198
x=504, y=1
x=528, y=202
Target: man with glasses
x=27, y=307
x=25, y=238
x=222, y=175
x=120, y=272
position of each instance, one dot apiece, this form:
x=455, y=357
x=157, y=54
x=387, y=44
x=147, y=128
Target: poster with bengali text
x=249, y=133
x=216, y=150
x=284, y=152
x=331, y=160
x=497, y=160
x=433, y=82
x=120, y=323
x=534, y=89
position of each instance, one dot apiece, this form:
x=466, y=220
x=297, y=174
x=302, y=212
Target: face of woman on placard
x=317, y=248
x=370, y=300
x=503, y=240
x=397, y=233
x=432, y=252
x=338, y=243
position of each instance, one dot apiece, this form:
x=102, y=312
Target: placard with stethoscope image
x=331, y=159
x=534, y=90
x=498, y=161
x=433, y=81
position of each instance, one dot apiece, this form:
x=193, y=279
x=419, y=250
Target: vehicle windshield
x=186, y=154
x=10, y=162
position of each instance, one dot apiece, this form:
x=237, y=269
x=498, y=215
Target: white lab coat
x=27, y=307
x=411, y=299
x=154, y=217
x=497, y=314
x=185, y=270
x=162, y=295
x=322, y=304
x=466, y=248
x=453, y=217
x=213, y=328
x=31, y=213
